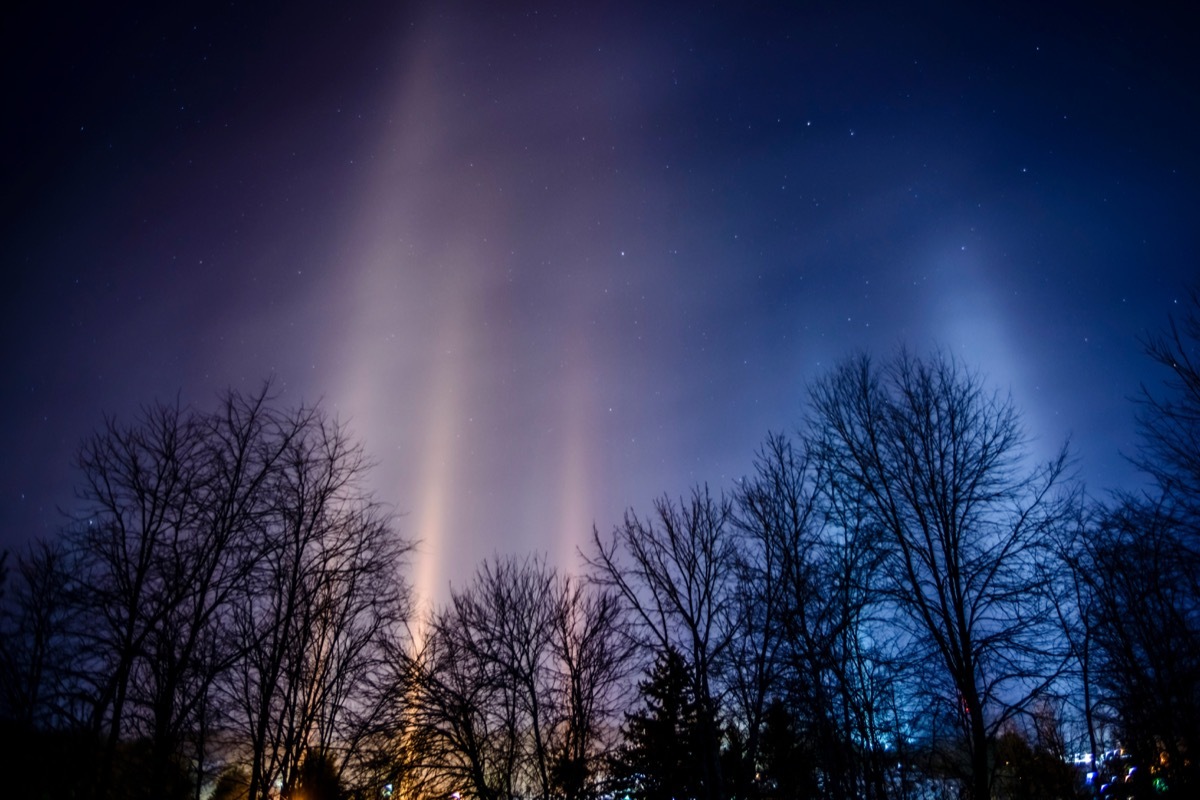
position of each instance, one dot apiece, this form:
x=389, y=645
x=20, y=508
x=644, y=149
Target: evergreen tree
x=659, y=758
x=787, y=765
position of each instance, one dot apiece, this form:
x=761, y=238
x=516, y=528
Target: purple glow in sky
x=549, y=261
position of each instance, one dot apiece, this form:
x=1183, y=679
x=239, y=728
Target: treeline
x=900, y=601
x=230, y=596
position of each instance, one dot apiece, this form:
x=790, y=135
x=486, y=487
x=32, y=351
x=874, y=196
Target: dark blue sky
x=552, y=260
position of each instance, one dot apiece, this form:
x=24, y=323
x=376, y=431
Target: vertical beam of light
x=407, y=312
x=470, y=350
x=438, y=457
x=578, y=448
x=968, y=319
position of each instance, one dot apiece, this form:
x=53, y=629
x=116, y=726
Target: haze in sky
x=551, y=260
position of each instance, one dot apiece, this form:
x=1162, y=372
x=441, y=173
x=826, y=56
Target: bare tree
x=939, y=464
x=463, y=727
x=207, y=567
x=592, y=653
x=1170, y=418
x=139, y=481
x=1140, y=598
x=1077, y=621
x=508, y=622
x=40, y=709
x=515, y=688
x=808, y=563
x=175, y=507
x=676, y=573
x=317, y=624
x=1140, y=564
x=36, y=623
x=229, y=572
x=844, y=635
x=775, y=512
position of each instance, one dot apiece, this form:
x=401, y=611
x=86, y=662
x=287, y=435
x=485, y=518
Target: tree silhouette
x=516, y=686
x=1142, y=599
x=226, y=572
x=663, y=740
x=939, y=466
x=1170, y=416
x=676, y=572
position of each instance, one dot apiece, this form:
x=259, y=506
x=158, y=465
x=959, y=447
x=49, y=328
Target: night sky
x=549, y=261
